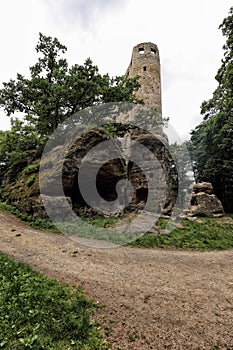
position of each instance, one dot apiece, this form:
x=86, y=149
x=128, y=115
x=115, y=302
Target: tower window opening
x=153, y=51
x=141, y=50
x=144, y=69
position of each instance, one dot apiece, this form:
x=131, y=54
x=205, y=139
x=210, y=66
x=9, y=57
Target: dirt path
x=155, y=299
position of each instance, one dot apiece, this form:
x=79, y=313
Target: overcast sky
x=186, y=32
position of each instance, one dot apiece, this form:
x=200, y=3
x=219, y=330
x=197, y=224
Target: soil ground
x=154, y=298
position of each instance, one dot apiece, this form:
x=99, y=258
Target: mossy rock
x=20, y=187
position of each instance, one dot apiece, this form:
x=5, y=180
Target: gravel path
x=154, y=299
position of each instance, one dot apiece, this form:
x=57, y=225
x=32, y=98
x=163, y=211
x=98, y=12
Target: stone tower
x=145, y=62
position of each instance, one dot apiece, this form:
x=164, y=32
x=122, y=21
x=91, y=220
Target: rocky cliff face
x=21, y=185
x=163, y=189
x=109, y=174
x=22, y=190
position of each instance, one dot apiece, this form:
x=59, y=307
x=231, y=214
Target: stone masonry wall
x=145, y=62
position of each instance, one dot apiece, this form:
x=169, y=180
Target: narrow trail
x=154, y=299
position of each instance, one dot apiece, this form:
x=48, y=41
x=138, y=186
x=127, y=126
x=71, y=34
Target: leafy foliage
x=212, y=140
x=53, y=92
x=37, y=313
x=15, y=143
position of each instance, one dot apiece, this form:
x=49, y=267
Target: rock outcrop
x=23, y=190
x=110, y=173
x=204, y=202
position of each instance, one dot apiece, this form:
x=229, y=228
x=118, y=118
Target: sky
x=186, y=33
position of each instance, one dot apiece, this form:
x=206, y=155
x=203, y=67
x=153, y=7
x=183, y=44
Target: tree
x=15, y=143
x=52, y=94
x=54, y=91
x=212, y=140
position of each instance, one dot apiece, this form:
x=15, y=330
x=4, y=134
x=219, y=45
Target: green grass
x=38, y=223
x=46, y=224
x=99, y=229
x=204, y=233
x=93, y=230
x=100, y=221
x=38, y=313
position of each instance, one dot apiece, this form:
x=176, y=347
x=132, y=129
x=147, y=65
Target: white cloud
x=86, y=9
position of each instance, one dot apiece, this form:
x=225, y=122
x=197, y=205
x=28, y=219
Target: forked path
x=154, y=299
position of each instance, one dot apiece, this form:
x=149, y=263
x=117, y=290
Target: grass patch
x=100, y=221
x=38, y=313
x=46, y=224
x=99, y=229
x=38, y=223
x=94, y=230
x=204, y=233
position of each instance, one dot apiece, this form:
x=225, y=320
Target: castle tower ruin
x=145, y=62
